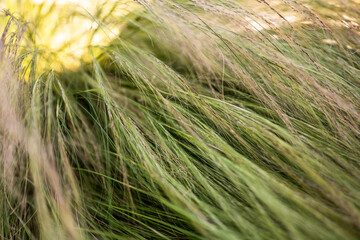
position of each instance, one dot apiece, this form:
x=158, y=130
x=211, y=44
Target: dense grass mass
x=196, y=120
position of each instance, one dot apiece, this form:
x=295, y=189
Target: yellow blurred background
x=66, y=28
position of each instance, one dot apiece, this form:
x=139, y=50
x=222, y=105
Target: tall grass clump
x=189, y=119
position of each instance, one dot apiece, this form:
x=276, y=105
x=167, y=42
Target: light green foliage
x=200, y=120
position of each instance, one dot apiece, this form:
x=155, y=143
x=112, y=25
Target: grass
x=198, y=120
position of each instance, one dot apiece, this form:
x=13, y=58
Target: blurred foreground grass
x=180, y=120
